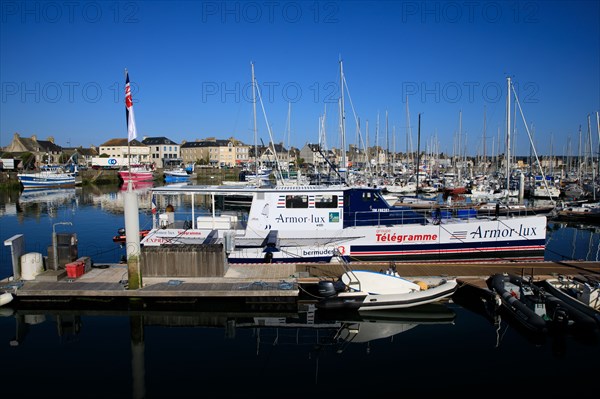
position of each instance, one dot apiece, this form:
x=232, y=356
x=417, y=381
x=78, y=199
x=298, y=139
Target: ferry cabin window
x=326, y=201
x=367, y=196
x=296, y=201
x=370, y=197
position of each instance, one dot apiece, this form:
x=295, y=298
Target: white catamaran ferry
x=306, y=224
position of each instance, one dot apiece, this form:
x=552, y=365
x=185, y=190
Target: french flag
x=131, y=130
x=153, y=205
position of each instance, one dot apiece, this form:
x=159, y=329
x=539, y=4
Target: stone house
x=44, y=152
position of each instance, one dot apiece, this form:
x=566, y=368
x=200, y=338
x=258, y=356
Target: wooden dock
x=269, y=283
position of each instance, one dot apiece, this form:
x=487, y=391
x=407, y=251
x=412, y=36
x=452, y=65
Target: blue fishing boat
x=176, y=175
x=47, y=179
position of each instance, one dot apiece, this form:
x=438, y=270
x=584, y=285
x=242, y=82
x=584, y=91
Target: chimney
x=34, y=137
x=51, y=139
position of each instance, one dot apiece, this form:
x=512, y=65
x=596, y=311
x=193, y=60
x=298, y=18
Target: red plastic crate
x=75, y=269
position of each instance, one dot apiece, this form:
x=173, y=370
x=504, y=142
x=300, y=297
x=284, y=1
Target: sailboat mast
x=289, y=143
x=507, y=136
x=579, y=157
x=408, y=135
x=458, y=159
x=590, y=141
x=343, y=122
x=394, y=150
x=592, y=156
x=367, y=151
x=255, y=130
x=484, y=159
x=418, y=155
x=377, y=149
x=387, y=144
x=598, y=130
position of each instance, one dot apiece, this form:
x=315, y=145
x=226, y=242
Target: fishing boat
x=372, y=291
x=47, y=179
x=307, y=223
x=137, y=173
x=581, y=292
x=176, y=175
x=536, y=309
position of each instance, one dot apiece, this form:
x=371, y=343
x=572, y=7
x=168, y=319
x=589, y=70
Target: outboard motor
x=326, y=288
x=330, y=288
x=561, y=318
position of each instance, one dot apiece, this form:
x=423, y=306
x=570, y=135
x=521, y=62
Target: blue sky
x=62, y=70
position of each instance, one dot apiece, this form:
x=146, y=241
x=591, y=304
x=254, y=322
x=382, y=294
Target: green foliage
x=27, y=160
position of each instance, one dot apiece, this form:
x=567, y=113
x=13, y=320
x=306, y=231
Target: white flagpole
x=131, y=207
x=127, y=124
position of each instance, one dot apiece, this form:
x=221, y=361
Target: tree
x=28, y=160
x=64, y=158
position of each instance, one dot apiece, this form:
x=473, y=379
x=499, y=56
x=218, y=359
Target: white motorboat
x=177, y=172
x=369, y=291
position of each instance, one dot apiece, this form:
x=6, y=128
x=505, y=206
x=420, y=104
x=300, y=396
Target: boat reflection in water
x=46, y=200
x=137, y=185
x=214, y=349
x=223, y=338
x=328, y=327
x=362, y=328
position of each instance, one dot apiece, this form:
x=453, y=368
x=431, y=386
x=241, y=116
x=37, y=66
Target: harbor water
x=216, y=351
